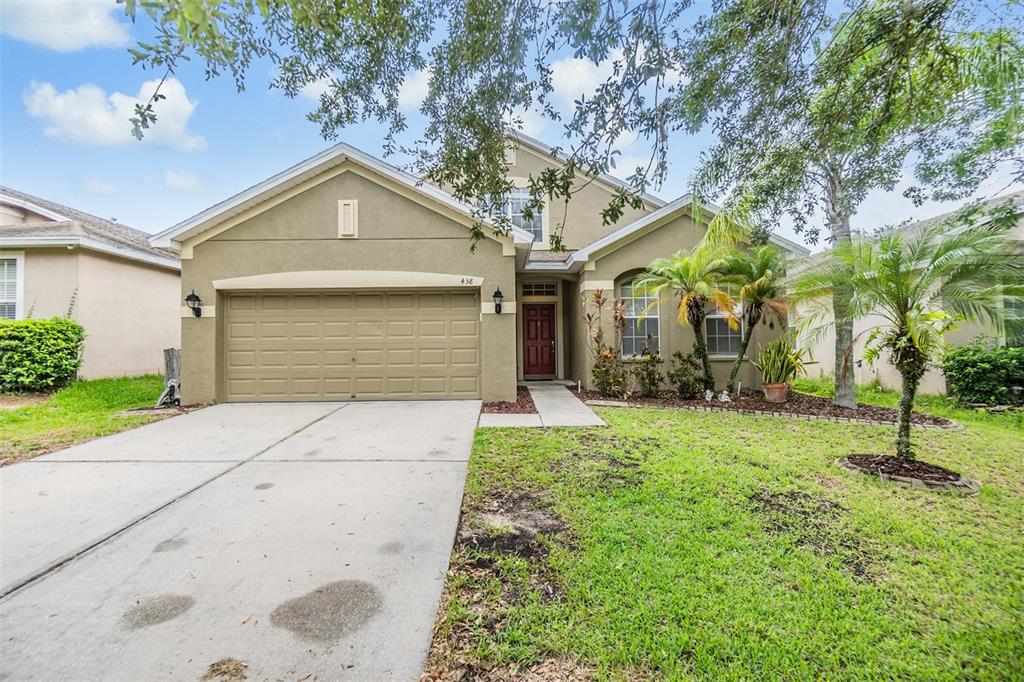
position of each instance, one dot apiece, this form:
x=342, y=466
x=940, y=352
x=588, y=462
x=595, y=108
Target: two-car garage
x=351, y=345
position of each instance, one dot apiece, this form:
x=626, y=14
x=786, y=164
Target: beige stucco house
x=821, y=347
x=58, y=261
x=345, y=278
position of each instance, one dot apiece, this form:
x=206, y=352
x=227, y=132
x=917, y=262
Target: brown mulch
x=522, y=405
x=797, y=403
x=226, y=670
x=908, y=468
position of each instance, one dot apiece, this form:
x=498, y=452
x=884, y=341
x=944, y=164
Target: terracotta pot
x=775, y=393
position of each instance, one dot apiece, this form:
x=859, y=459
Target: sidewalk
x=556, y=406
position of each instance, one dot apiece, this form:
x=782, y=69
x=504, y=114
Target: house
x=821, y=347
x=58, y=261
x=345, y=278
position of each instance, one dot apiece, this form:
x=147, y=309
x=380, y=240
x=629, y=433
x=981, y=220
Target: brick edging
x=964, y=486
x=952, y=426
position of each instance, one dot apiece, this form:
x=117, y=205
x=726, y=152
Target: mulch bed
x=908, y=468
x=797, y=404
x=522, y=405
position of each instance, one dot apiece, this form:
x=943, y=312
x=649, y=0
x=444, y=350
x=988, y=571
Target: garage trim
x=349, y=279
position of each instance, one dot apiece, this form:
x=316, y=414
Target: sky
x=68, y=88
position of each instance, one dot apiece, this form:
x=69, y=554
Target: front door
x=538, y=339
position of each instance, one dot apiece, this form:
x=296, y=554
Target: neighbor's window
x=8, y=288
x=517, y=199
x=639, y=332
x=721, y=338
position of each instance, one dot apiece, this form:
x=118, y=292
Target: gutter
x=92, y=245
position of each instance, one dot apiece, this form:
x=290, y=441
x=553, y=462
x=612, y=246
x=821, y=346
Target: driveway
x=309, y=541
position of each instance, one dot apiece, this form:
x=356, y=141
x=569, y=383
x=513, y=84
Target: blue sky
x=67, y=86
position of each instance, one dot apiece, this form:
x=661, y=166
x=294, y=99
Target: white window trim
x=655, y=313
x=19, y=281
x=718, y=315
x=545, y=230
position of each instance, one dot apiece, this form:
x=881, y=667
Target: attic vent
x=348, y=218
x=510, y=155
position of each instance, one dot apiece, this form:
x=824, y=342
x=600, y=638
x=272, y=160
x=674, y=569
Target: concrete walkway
x=310, y=541
x=556, y=406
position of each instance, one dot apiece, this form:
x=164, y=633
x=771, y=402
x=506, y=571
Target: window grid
x=517, y=199
x=639, y=333
x=721, y=338
x=540, y=289
x=8, y=288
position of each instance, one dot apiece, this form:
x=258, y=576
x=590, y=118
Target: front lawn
x=80, y=412
x=682, y=545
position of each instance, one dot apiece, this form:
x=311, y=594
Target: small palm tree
x=692, y=276
x=759, y=275
x=921, y=286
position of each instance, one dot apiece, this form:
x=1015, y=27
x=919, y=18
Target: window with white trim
x=518, y=198
x=8, y=288
x=641, y=331
x=721, y=338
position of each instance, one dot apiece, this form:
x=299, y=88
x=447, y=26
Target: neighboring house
x=345, y=278
x=57, y=261
x=821, y=347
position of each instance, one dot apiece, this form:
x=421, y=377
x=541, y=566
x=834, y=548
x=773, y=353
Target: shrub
x=646, y=370
x=687, y=374
x=38, y=355
x=983, y=372
x=607, y=372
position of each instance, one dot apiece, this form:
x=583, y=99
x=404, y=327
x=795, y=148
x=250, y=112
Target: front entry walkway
x=556, y=406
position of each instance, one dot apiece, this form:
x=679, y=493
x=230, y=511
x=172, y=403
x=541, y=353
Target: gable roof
x=649, y=222
x=70, y=227
x=302, y=172
x=547, y=150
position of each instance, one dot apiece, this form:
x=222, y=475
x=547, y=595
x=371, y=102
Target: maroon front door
x=538, y=338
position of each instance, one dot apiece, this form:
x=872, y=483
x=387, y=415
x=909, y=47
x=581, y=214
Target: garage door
x=367, y=345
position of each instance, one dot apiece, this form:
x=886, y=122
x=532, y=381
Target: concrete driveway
x=309, y=541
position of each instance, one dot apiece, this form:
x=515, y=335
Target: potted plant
x=779, y=363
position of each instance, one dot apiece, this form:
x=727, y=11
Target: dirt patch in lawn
x=815, y=523
x=522, y=405
x=499, y=562
x=605, y=460
x=12, y=401
x=797, y=404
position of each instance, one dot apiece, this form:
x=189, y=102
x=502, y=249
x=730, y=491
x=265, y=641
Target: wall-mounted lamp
x=194, y=303
x=498, y=298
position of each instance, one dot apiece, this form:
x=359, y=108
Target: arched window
x=640, y=332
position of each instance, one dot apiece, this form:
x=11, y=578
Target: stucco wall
x=130, y=311
x=610, y=270
x=395, y=233
x=582, y=217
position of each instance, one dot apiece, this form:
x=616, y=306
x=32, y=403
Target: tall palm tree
x=692, y=277
x=921, y=286
x=758, y=274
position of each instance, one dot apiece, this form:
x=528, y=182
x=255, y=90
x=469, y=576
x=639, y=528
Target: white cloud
x=414, y=89
x=89, y=115
x=316, y=88
x=100, y=187
x=64, y=25
x=530, y=122
x=182, y=180
x=572, y=77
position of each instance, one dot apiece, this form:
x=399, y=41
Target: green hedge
x=984, y=372
x=38, y=355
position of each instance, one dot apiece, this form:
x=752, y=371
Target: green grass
x=80, y=412
x=672, y=571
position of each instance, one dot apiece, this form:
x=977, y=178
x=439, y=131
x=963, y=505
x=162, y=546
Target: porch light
x=498, y=298
x=194, y=303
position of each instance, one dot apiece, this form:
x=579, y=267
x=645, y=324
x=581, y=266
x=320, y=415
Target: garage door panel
x=362, y=345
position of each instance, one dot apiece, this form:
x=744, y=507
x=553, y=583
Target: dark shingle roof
x=78, y=224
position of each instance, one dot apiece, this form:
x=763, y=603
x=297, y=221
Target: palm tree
x=692, y=277
x=921, y=286
x=759, y=274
